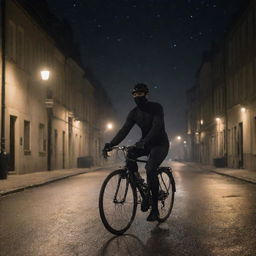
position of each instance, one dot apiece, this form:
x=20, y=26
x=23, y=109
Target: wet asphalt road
x=212, y=215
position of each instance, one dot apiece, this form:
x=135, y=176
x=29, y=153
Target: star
x=173, y=44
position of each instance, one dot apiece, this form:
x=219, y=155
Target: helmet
x=140, y=88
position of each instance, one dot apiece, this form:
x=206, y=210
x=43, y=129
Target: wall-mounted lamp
x=45, y=74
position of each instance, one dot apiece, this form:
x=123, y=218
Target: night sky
x=157, y=42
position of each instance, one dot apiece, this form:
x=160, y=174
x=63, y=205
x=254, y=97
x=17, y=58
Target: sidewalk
x=15, y=183
x=241, y=174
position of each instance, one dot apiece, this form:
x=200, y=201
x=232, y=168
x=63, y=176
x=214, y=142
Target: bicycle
x=119, y=192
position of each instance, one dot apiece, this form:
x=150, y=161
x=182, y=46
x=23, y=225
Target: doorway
x=240, y=146
x=63, y=149
x=12, y=143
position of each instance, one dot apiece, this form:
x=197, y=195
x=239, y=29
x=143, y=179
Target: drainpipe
x=4, y=157
x=3, y=46
x=49, y=106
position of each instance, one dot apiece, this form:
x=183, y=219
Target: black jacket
x=150, y=118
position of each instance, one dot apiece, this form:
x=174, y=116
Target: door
x=63, y=150
x=240, y=146
x=55, y=148
x=12, y=143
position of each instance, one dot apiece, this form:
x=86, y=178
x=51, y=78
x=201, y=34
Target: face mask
x=140, y=101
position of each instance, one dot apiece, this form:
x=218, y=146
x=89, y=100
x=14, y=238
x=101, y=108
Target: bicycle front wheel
x=117, y=202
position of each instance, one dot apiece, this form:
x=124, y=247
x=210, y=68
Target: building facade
x=227, y=111
x=50, y=123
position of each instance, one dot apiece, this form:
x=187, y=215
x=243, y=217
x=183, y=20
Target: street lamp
x=109, y=126
x=179, y=137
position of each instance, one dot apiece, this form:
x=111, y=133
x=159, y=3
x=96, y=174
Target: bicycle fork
x=117, y=190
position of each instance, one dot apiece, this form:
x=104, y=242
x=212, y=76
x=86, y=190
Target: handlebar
x=125, y=149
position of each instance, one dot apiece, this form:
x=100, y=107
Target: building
x=50, y=123
x=227, y=97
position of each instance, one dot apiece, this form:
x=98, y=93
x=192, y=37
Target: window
x=250, y=28
x=26, y=136
x=11, y=45
x=250, y=79
x=20, y=46
x=42, y=139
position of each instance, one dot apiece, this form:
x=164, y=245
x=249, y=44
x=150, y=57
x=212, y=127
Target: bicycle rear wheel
x=166, y=194
x=117, y=202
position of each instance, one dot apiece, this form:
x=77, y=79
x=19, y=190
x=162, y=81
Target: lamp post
x=45, y=75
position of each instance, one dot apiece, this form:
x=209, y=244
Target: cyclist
x=154, y=143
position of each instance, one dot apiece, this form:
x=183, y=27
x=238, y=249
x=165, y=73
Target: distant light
x=45, y=74
x=202, y=122
x=243, y=110
x=109, y=126
x=217, y=119
x=185, y=142
x=197, y=133
x=179, y=137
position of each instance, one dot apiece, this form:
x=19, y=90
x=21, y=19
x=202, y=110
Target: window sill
x=42, y=153
x=27, y=152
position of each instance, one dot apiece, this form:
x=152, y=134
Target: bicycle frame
x=133, y=180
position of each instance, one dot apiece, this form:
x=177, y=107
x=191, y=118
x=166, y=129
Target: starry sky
x=157, y=42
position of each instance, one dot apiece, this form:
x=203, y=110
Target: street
x=212, y=215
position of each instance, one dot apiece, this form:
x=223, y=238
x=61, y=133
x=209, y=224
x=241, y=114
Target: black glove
x=106, y=149
x=140, y=145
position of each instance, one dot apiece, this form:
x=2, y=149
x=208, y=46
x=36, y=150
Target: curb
x=12, y=191
x=235, y=177
x=224, y=174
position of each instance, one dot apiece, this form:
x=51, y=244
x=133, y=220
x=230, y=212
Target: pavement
x=15, y=183
x=240, y=174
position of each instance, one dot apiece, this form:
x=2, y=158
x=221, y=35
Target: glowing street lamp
x=109, y=126
x=45, y=74
x=179, y=137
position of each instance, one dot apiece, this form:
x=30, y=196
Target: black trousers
x=156, y=155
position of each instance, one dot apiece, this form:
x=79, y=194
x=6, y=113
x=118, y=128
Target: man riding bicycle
x=154, y=143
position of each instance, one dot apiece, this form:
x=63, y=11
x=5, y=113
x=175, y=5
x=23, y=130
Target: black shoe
x=153, y=216
x=144, y=205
